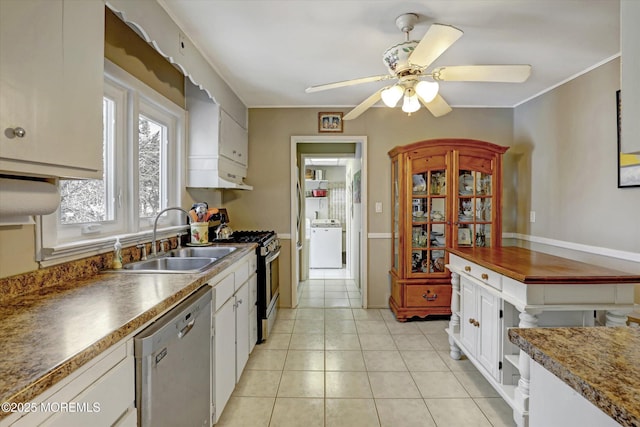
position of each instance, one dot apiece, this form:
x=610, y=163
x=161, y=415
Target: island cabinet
x=51, y=88
x=446, y=193
x=494, y=289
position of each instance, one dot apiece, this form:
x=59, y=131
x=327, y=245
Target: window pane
x=151, y=138
x=86, y=200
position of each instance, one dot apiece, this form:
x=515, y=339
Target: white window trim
x=50, y=252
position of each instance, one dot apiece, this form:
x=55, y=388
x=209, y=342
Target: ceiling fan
x=407, y=62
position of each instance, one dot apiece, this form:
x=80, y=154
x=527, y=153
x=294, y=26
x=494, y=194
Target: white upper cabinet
x=51, y=74
x=218, y=145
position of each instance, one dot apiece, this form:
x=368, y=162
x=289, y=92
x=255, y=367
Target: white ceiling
x=269, y=51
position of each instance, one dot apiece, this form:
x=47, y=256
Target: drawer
x=224, y=290
x=485, y=275
x=428, y=295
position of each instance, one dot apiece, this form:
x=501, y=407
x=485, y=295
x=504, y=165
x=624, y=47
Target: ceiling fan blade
x=363, y=106
x=344, y=83
x=438, y=39
x=483, y=73
x=438, y=107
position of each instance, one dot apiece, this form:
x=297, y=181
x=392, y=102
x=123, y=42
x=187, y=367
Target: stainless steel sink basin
x=170, y=265
x=208, y=252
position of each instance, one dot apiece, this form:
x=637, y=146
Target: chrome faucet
x=154, y=250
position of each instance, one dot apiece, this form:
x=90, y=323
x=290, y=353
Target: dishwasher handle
x=184, y=331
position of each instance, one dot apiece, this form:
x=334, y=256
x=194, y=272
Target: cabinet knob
x=17, y=132
x=467, y=268
x=476, y=324
x=472, y=320
x=485, y=276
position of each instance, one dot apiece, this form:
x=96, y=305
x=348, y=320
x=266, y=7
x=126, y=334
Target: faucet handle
x=179, y=237
x=162, y=242
x=143, y=251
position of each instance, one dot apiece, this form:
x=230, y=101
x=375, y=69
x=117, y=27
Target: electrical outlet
x=532, y=216
x=378, y=207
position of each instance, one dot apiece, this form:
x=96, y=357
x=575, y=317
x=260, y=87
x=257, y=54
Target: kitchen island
x=601, y=365
x=52, y=335
x=494, y=289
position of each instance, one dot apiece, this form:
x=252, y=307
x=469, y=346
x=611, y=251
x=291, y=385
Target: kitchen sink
x=170, y=265
x=207, y=252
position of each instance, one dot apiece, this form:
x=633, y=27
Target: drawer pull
x=467, y=268
x=429, y=297
x=485, y=276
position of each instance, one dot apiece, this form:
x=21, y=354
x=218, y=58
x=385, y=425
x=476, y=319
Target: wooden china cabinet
x=445, y=193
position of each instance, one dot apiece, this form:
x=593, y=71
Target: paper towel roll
x=20, y=197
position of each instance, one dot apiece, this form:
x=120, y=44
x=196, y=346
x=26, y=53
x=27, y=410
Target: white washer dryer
x=326, y=244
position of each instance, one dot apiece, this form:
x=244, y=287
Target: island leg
x=528, y=319
x=454, y=322
x=616, y=318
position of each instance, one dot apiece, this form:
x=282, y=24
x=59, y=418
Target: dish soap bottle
x=117, y=255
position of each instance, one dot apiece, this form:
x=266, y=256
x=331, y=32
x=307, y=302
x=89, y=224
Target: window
x=142, y=156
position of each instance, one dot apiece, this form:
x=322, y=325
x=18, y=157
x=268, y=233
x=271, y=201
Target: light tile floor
x=333, y=365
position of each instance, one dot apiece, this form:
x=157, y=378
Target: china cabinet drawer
x=485, y=275
x=428, y=295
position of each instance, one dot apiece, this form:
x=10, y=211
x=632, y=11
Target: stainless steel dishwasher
x=173, y=365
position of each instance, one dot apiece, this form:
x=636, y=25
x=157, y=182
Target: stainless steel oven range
x=268, y=252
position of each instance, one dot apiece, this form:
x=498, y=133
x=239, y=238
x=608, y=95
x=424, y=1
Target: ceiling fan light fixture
x=411, y=104
x=427, y=90
x=391, y=95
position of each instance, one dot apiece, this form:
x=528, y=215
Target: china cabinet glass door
x=428, y=221
x=474, y=206
x=395, y=196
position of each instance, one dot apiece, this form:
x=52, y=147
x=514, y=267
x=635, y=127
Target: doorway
x=336, y=168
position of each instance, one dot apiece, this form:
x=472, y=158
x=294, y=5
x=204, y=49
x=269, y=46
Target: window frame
x=59, y=243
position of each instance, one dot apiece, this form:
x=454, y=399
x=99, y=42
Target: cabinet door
x=52, y=87
x=476, y=206
x=234, y=141
x=242, y=329
x=488, y=308
x=468, y=330
x=225, y=355
x=428, y=215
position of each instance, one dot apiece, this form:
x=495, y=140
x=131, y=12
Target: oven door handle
x=273, y=256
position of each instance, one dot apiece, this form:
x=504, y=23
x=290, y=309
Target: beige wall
x=567, y=147
x=270, y=131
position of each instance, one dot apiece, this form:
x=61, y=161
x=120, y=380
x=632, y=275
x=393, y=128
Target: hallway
x=328, y=366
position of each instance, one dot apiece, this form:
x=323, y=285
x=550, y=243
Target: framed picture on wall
x=628, y=164
x=330, y=122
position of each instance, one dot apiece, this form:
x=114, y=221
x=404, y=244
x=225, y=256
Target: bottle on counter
x=117, y=254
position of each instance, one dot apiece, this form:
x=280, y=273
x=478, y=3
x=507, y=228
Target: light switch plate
x=532, y=216
x=378, y=207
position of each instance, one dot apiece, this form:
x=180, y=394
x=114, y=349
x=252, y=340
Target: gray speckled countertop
x=48, y=333
x=602, y=364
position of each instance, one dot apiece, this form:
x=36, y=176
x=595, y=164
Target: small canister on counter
x=199, y=233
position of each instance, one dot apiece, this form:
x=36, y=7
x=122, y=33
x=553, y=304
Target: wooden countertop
x=532, y=267
x=602, y=364
x=47, y=334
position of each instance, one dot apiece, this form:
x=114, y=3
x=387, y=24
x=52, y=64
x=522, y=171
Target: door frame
x=293, y=181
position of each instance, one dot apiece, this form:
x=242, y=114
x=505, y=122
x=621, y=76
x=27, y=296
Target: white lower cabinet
x=480, y=325
x=554, y=404
x=100, y=394
x=232, y=331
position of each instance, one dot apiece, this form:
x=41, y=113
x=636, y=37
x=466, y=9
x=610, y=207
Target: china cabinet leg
x=616, y=318
x=528, y=319
x=454, y=322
